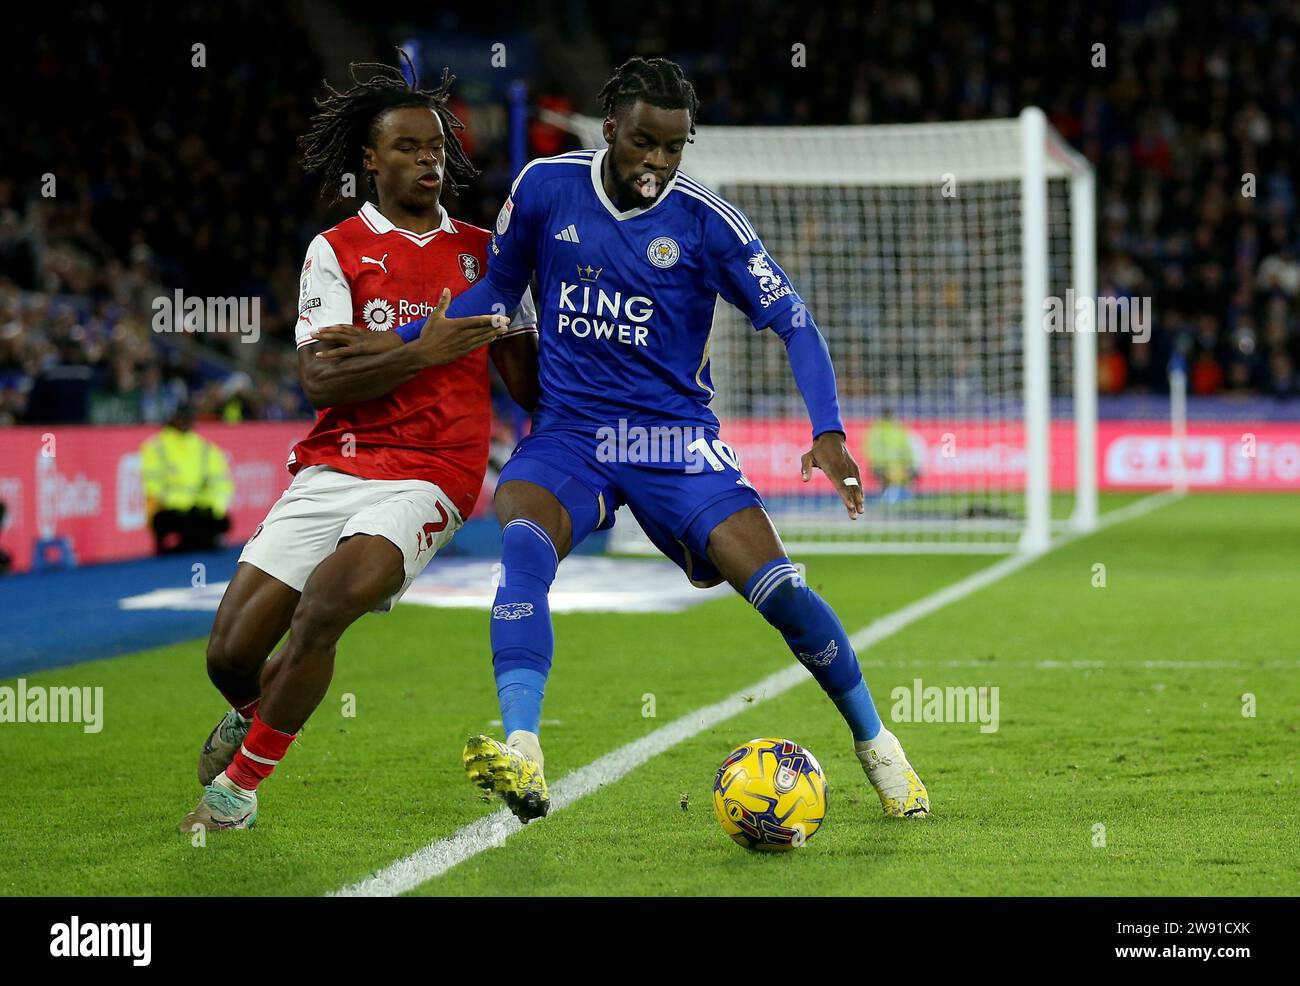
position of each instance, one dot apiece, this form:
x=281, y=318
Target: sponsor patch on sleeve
x=503, y=217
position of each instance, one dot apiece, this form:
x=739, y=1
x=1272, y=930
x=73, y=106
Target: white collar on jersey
x=378, y=223
x=612, y=209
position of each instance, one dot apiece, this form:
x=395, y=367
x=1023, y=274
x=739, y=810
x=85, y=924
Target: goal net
x=930, y=256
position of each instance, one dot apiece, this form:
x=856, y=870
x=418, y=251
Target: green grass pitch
x=1121, y=721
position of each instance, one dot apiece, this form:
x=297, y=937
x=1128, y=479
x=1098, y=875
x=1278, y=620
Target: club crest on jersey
x=379, y=315
x=503, y=217
x=468, y=266
x=663, y=252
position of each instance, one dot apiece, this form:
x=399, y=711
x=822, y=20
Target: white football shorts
x=322, y=506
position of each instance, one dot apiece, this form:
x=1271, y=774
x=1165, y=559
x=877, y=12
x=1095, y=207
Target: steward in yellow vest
x=889, y=452
x=187, y=487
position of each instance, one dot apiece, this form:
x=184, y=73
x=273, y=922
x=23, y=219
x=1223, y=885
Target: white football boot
x=224, y=805
x=902, y=795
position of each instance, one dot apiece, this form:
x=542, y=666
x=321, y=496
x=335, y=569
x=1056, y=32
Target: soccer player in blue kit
x=630, y=255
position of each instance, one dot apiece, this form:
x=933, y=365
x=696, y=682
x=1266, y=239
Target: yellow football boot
x=509, y=772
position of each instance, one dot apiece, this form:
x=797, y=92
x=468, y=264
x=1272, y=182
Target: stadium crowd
x=1190, y=118
x=1189, y=113
x=121, y=184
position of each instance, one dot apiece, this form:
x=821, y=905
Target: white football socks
x=528, y=744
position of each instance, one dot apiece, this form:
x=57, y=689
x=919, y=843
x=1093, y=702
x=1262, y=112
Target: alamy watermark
x=694, y=448
x=36, y=703
x=236, y=315
x=1131, y=316
x=73, y=939
x=930, y=703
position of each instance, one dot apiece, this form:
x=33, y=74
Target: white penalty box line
x=492, y=831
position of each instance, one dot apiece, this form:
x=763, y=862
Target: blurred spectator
x=890, y=456
x=1207, y=375
x=1282, y=375
x=187, y=487
x=1280, y=271
x=1112, y=368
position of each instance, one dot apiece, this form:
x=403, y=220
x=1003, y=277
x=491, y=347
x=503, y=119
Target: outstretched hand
x=445, y=340
x=442, y=340
x=831, y=456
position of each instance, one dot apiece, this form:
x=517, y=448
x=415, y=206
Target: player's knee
x=520, y=500
x=224, y=657
x=527, y=553
x=227, y=658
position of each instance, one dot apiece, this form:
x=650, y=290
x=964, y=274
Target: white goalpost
x=928, y=255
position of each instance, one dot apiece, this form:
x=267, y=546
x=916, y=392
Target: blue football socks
x=817, y=638
x=523, y=641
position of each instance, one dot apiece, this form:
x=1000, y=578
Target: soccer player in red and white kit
x=396, y=458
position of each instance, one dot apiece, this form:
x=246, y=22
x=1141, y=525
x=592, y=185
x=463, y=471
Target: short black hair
x=348, y=121
x=657, y=81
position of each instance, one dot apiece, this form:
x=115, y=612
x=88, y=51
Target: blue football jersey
x=626, y=298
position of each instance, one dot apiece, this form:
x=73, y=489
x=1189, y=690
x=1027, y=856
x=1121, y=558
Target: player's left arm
x=814, y=374
x=753, y=282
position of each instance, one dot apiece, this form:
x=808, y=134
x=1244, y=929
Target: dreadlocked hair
x=657, y=81
x=348, y=121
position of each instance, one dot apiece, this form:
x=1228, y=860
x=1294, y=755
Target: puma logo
x=378, y=263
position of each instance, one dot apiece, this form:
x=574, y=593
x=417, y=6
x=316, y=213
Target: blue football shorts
x=679, y=485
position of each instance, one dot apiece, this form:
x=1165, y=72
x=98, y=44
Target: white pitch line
x=493, y=830
x=1082, y=665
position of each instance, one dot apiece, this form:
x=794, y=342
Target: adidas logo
x=569, y=234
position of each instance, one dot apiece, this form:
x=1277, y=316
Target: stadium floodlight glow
x=926, y=254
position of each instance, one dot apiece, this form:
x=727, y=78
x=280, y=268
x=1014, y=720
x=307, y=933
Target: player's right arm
x=361, y=378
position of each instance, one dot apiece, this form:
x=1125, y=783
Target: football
x=770, y=795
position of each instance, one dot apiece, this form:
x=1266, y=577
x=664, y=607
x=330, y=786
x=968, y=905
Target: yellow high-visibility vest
x=181, y=469
x=888, y=446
